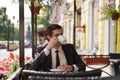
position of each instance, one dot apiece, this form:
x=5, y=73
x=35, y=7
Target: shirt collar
x=53, y=49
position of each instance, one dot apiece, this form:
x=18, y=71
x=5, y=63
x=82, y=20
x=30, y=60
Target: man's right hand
x=52, y=43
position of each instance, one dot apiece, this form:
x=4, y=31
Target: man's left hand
x=65, y=67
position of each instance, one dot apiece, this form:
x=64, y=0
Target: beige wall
x=83, y=19
x=101, y=31
x=118, y=32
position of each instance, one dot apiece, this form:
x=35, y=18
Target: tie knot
x=57, y=51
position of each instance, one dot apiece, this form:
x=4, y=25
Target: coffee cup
x=62, y=39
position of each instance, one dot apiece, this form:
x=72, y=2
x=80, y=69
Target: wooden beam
x=21, y=32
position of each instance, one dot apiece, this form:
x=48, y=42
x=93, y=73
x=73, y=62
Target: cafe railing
x=40, y=75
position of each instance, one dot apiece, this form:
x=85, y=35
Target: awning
x=42, y=32
x=57, y=8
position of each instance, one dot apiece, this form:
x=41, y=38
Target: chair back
x=114, y=55
x=115, y=59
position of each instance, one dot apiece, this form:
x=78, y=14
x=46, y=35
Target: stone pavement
x=5, y=54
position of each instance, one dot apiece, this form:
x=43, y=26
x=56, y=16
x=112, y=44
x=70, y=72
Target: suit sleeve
x=74, y=58
x=37, y=63
x=79, y=62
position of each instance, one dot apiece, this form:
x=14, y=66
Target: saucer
x=55, y=70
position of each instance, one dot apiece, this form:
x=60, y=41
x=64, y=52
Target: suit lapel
x=65, y=50
x=49, y=60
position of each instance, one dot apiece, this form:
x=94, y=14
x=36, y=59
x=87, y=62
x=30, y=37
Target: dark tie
x=57, y=59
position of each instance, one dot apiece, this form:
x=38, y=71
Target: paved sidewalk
x=5, y=54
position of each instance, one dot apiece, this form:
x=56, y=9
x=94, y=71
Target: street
x=5, y=54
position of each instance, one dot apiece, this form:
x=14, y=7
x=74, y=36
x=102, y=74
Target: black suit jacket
x=43, y=62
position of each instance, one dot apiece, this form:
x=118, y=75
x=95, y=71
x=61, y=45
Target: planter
x=16, y=75
x=115, y=16
x=95, y=61
x=35, y=10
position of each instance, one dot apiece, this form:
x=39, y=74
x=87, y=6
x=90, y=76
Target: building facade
x=90, y=31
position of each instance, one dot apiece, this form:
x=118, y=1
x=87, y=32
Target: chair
x=115, y=59
x=40, y=75
x=114, y=55
x=111, y=78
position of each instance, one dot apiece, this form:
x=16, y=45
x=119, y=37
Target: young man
x=69, y=60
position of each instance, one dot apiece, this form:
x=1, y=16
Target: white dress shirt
x=61, y=57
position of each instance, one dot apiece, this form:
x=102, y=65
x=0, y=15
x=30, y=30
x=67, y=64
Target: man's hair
x=53, y=27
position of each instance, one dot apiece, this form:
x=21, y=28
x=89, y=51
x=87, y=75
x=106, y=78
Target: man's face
x=57, y=32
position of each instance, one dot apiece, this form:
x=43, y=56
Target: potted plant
x=37, y=6
x=110, y=11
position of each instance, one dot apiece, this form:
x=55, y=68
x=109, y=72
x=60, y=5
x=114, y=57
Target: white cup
x=62, y=39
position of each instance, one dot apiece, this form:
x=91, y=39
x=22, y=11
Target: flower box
x=37, y=6
x=95, y=61
x=115, y=16
x=35, y=10
x=16, y=75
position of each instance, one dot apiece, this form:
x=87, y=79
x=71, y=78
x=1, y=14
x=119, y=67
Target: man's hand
x=65, y=68
x=52, y=43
